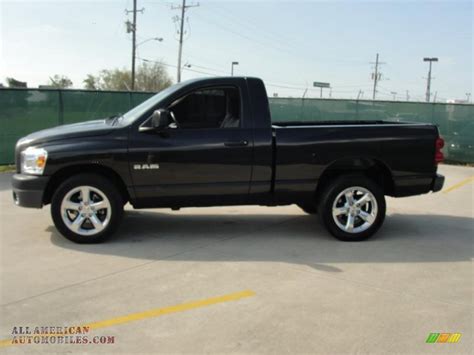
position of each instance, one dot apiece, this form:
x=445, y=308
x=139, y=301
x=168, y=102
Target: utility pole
x=408, y=95
x=468, y=96
x=183, y=8
x=376, y=75
x=132, y=27
x=428, y=83
x=394, y=93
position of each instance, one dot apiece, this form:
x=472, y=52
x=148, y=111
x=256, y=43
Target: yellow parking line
x=172, y=309
x=157, y=312
x=459, y=184
x=6, y=342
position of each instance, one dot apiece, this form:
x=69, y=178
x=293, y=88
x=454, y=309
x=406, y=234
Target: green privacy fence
x=23, y=111
x=455, y=121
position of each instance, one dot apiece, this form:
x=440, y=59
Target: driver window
x=208, y=108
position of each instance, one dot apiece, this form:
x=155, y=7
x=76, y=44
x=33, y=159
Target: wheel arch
x=373, y=168
x=61, y=175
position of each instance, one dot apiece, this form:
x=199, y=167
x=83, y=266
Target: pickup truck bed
x=401, y=152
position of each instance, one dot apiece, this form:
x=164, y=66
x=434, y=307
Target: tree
x=115, y=79
x=91, y=82
x=13, y=83
x=149, y=77
x=152, y=77
x=60, y=82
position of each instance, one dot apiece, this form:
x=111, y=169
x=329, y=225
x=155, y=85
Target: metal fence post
x=357, y=109
x=61, y=108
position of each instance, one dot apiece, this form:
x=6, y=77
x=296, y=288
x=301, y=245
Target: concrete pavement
x=310, y=292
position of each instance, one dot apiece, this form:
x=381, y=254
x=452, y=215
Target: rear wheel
x=352, y=208
x=86, y=208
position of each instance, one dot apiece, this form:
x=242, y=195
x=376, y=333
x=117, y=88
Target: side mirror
x=160, y=118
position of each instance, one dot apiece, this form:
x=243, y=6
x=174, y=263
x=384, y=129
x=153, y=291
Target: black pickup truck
x=209, y=142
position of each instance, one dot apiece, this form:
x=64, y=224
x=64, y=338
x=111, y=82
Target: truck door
x=204, y=157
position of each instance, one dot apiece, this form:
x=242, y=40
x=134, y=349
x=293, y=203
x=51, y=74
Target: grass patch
x=454, y=162
x=7, y=168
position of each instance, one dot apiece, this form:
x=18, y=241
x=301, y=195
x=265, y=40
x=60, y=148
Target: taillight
x=439, y=156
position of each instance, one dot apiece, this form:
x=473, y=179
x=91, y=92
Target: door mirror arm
x=159, y=120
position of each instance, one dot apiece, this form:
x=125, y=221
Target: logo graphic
x=145, y=166
x=443, y=338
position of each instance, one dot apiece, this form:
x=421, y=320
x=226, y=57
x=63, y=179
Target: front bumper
x=28, y=190
x=438, y=183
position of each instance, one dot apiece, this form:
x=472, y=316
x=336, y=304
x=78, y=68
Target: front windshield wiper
x=113, y=119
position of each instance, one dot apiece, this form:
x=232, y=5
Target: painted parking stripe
x=459, y=184
x=157, y=312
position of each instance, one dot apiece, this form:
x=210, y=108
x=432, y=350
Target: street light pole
x=135, y=46
x=134, y=38
x=159, y=39
x=428, y=83
x=232, y=68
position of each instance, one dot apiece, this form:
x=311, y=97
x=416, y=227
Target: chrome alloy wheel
x=86, y=210
x=355, y=209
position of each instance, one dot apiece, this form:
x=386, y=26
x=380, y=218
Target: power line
x=213, y=72
x=270, y=35
x=251, y=39
x=212, y=69
x=199, y=58
x=183, y=8
x=175, y=66
x=279, y=47
x=303, y=88
x=254, y=29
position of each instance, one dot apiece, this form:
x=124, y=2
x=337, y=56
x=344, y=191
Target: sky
x=289, y=44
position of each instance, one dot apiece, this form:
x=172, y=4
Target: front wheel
x=86, y=208
x=352, y=208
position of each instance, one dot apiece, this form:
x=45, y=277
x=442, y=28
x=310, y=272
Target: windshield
x=146, y=105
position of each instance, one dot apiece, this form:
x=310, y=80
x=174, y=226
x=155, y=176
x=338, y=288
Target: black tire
x=308, y=208
x=332, y=192
x=97, y=183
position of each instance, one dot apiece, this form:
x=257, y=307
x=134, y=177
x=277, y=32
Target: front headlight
x=33, y=160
